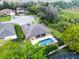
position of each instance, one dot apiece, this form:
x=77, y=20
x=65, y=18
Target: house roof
x=21, y=8
x=34, y=30
x=21, y=20
x=6, y=11
x=6, y=29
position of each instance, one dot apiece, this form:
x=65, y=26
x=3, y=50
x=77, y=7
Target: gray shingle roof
x=6, y=29
x=34, y=30
x=6, y=11
x=21, y=8
x=21, y=20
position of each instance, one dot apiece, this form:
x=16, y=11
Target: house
x=7, y=12
x=7, y=31
x=38, y=33
x=21, y=11
x=22, y=20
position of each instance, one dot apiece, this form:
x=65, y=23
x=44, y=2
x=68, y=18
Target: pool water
x=46, y=41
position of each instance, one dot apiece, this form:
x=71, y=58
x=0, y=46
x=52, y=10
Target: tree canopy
x=75, y=3
x=71, y=37
x=15, y=50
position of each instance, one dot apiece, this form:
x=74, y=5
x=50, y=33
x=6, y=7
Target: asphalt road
x=65, y=56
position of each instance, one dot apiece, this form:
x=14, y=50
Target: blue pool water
x=46, y=41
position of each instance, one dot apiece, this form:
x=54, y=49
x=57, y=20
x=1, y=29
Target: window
x=43, y=35
x=38, y=36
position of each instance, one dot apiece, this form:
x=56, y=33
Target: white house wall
x=10, y=37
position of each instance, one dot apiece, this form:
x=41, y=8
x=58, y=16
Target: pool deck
x=43, y=38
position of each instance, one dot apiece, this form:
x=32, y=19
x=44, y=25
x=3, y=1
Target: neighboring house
x=21, y=11
x=7, y=12
x=37, y=33
x=22, y=20
x=7, y=31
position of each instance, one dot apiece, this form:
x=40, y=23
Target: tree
x=67, y=19
x=48, y=13
x=6, y=5
x=71, y=37
x=25, y=50
x=62, y=4
x=13, y=5
x=75, y=2
x=19, y=32
x=1, y=6
x=9, y=50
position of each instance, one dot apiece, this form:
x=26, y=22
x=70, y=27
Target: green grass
x=5, y=18
x=3, y=41
x=37, y=44
x=56, y=33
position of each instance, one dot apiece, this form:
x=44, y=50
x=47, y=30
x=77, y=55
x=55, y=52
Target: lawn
x=3, y=42
x=5, y=18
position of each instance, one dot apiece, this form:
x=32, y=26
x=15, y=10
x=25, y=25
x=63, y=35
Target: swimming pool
x=46, y=41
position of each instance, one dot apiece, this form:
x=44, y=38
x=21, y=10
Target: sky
x=39, y=0
x=63, y=0
x=54, y=0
